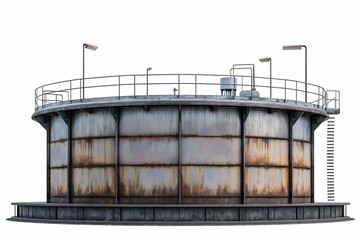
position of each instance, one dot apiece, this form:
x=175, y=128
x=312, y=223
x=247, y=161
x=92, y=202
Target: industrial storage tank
x=135, y=157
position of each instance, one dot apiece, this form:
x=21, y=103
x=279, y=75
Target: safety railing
x=181, y=85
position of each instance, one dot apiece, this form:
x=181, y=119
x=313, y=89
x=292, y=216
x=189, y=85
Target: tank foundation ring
x=172, y=214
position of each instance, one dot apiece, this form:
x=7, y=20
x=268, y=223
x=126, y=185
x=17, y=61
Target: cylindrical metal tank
x=189, y=154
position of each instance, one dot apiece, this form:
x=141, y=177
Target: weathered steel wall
x=58, y=160
x=93, y=156
x=211, y=155
x=148, y=155
x=267, y=157
x=168, y=154
x=302, y=160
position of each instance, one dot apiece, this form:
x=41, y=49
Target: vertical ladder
x=330, y=159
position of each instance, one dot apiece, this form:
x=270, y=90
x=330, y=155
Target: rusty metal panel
x=211, y=150
x=58, y=182
x=148, y=150
x=149, y=200
x=267, y=152
x=157, y=121
x=58, y=154
x=267, y=200
x=301, y=129
x=301, y=182
x=301, y=154
x=58, y=129
x=202, y=121
x=211, y=200
x=99, y=123
x=262, y=181
x=93, y=200
x=97, y=181
x=260, y=123
x=143, y=181
x=93, y=151
x=210, y=181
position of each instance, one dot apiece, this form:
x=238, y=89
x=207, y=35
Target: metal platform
x=126, y=214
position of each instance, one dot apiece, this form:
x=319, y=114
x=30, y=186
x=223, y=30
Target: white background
x=41, y=42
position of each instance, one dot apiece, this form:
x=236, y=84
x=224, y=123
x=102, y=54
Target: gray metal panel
x=58, y=130
x=157, y=121
x=210, y=150
x=260, y=123
x=267, y=152
x=58, y=182
x=143, y=150
x=301, y=129
x=98, y=181
x=202, y=121
x=301, y=154
x=93, y=151
x=210, y=181
x=301, y=182
x=58, y=154
x=261, y=181
x=148, y=181
x=99, y=123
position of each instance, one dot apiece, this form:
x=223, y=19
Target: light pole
x=91, y=47
x=299, y=47
x=147, y=80
x=268, y=60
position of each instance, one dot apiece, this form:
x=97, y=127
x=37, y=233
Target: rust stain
x=93, y=181
x=301, y=182
x=301, y=154
x=266, y=181
x=262, y=124
x=211, y=181
x=148, y=181
x=93, y=151
x=58, y=182
x=267, y=152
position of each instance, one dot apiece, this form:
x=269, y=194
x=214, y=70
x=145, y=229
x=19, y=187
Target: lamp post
x=147, y=80
x=91, y=47
x=268, y=60
x=299, y=47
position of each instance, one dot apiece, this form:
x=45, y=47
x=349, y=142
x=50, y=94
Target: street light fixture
x=93, y=48
x=268, y=60
x=299, y=47
x=147, y=80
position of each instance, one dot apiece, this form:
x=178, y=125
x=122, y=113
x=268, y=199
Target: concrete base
x=120, y=214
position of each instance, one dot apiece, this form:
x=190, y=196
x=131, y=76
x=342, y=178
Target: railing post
x=42, y=96
x=296, y=91
x=36, y=100
x=178, y=85
x=70, y=91
x=195, y=85
x=285, y=90
x=80, y=89
x=134, y=85
x=119, y=86
x=242, y=83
